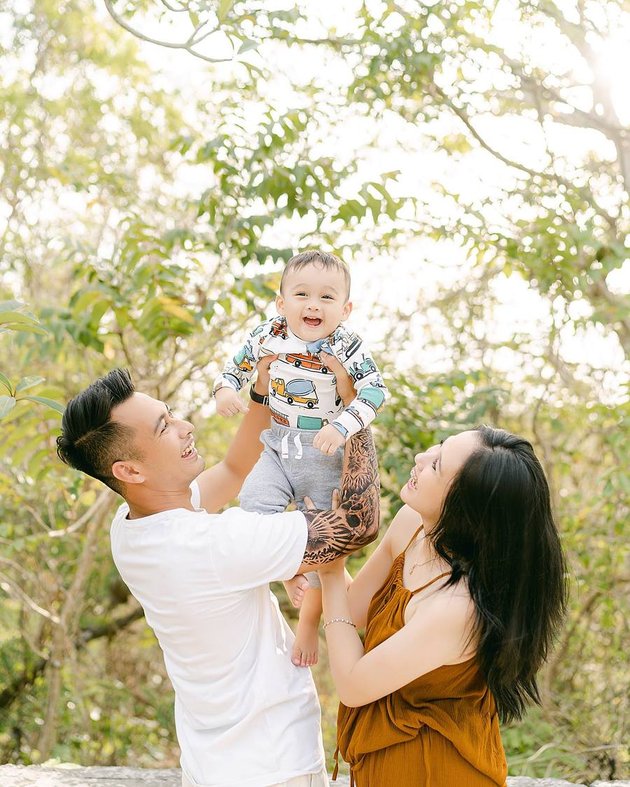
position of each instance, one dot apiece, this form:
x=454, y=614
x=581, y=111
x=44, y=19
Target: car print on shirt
x=295, y=392
x=307, y=360
x=359, y=370
x=310, y=422
x=279, y=328
x=279, y=418
x=244, y=359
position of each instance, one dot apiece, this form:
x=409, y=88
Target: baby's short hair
x=323, y=258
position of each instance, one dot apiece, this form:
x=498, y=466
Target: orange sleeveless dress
x=440, y=730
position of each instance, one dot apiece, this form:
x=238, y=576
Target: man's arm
x=354, y=524
x=221, y=483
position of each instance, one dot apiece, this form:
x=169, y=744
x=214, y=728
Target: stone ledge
x=76, y=776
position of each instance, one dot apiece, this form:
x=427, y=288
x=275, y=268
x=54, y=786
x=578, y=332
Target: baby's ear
x=347, y=309
x=280, y=304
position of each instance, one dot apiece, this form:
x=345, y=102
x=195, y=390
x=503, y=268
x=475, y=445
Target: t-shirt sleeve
x=253, y=549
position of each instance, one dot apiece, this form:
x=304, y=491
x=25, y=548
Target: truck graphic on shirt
x=295, y=392
x=359, y=370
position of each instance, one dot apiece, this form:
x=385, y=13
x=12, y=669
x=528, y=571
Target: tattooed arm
x=354, y=524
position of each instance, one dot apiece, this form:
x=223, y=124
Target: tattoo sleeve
x=354, y=524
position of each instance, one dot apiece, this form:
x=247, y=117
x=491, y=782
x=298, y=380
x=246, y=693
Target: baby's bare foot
x=306, y=646
x=296, y=588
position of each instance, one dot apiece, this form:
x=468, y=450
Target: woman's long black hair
x=496, y=529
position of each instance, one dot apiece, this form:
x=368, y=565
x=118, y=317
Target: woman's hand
x=345, y=383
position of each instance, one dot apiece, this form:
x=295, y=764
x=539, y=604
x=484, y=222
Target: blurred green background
x=470, y=160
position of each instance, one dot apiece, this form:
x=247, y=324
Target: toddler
x=301, y=455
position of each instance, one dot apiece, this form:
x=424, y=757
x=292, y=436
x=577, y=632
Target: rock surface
x=76, y=776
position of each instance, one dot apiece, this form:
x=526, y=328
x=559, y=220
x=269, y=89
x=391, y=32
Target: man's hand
x=345, y=383
x=229, y=402
x=354, y=523
x=329, y=439
x=262, y=369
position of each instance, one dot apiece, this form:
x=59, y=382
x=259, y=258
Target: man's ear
x=346, y=310
x=280, y=304
x=127, y=472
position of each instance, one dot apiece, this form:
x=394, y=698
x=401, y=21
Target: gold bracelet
x=339, y=620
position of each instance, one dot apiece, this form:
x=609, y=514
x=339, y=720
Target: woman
x=460, y=603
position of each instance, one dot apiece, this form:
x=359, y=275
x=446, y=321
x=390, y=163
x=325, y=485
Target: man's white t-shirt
x=245, y=715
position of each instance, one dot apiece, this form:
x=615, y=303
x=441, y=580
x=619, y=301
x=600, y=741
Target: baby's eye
x=328, y=297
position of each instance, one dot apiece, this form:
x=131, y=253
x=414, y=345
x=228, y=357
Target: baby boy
x=301, y=455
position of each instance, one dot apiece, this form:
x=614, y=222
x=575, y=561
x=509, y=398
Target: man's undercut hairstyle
x=90, y=441
x=321, y=258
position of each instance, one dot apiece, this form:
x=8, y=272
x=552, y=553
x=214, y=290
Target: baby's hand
x=229, y=402
x=328, y=439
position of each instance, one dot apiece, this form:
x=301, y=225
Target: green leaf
x=7, y=383
x=7, y=317
x=246, y=46
x=23, y=328
x=28, y=382
x=59, y=408
x=223, y=9
x=7, y=403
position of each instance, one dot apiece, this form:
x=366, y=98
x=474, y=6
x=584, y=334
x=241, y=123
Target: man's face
x=314, y=301
x=169, y=458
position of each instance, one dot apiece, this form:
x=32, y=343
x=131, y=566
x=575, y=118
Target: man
x=245, y=715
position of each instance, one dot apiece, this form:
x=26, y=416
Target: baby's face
x=314, y=301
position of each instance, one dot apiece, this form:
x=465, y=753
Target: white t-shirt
x=245, y=715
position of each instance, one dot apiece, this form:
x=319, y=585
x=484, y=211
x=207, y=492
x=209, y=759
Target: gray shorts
x=289, y=469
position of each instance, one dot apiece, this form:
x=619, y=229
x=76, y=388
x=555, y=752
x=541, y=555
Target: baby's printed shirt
x=302, y=390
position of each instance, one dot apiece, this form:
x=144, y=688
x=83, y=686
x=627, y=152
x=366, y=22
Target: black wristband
x=256, y=397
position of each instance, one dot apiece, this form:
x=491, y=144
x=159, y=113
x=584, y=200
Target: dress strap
x=430, y=582
x=336, y=768
x=413, y=538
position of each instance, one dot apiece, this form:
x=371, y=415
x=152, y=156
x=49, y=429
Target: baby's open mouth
x=313, y=321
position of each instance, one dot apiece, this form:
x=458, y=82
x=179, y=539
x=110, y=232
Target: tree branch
x=186, y=45
x=87, y=634
x=533, y=173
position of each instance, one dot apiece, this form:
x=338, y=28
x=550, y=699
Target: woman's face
x=433, y=472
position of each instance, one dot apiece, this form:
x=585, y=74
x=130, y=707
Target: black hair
x=90, y=441
x=496, y=528
x=324, y=259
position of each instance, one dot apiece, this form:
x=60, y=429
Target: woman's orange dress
x=440, y=730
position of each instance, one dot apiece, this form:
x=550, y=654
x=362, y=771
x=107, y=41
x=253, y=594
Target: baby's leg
x=306, y=646
x=267, y=489
x=296, y=588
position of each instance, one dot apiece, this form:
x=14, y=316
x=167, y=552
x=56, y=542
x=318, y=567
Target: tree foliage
x=143, y=223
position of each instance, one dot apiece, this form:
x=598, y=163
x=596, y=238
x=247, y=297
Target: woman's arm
x=434, y=636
